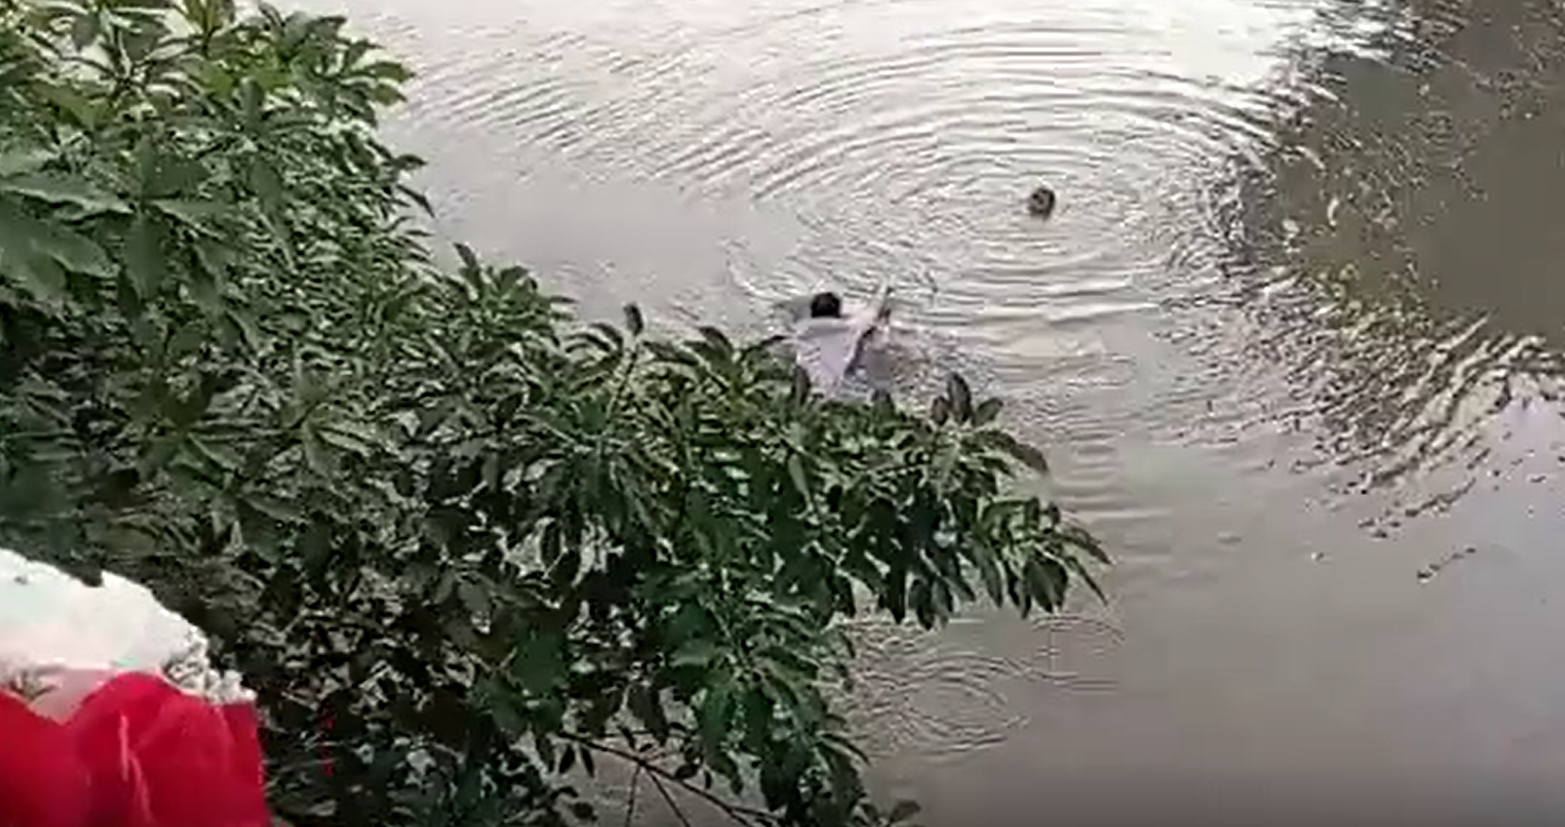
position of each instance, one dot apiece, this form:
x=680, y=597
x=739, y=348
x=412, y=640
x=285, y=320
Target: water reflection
x=1402, y=234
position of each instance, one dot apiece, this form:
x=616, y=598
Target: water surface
x=1290, y=338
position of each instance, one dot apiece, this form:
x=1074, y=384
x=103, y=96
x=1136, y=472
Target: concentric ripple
x=938, y=696
x=923, y=139
x=928, y=137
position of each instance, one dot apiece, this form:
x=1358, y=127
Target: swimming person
x=829, y=345
x=1040, y=204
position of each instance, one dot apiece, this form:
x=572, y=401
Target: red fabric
x=137, y=753
x=42, y=781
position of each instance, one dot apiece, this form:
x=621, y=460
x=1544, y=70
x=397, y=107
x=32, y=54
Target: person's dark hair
x=1041, y=203
x=825, y=306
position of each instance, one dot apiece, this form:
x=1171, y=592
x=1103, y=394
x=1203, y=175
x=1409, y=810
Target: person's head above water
x=1041, y=202
x=826, y=305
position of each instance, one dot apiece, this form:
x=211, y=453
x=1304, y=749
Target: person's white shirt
x=830, y=348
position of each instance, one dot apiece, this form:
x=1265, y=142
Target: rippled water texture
x=1291, y=338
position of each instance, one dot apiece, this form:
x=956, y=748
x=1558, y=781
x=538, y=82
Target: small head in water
x=826, y=305
x=1041, y=203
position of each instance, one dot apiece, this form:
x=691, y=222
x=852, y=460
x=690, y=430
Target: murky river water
x=1290, y=340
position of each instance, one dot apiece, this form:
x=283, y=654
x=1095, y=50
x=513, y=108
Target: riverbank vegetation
x=467, y=547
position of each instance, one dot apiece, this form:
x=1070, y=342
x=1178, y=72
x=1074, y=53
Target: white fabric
x=829, y=349
x=50, y=621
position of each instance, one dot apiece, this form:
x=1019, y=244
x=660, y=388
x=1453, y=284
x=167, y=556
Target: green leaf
x=63, y=189
x=344, y=437
x=939, y=410
x=961, y=398
x=801, y=482
x=646, y=706
x=23, y=239
x=1029, y=456
x=633, y=321
x=316, y=457
x=719, y=343
x=195, y=214
x=922, y=600
x=1075, y=565
x=21, y=162
x=799, y=391
x=385, y=94
x=1081, y=540
x=81, y=111
x=1046, y=582
x=544, y=745
x=539, y=662
x=713, y=717
x=40, y=277
x=268, y=185
x=144, y=261
x=84, y=30
x=493, y=697
x=474, y=598
x=252, y=100
x=989, y=571
x=987, y=412
x=212, y=256
x=244, y=325
x=139, y=41
x=417, y=199
x=385, y=70
x=219, y=455
x=903, y=811
x=174, y=176
x=695, y=653
x=73, y=251
x=894, y=597
x=279, y=510
x=469, y=258
x=445, y=586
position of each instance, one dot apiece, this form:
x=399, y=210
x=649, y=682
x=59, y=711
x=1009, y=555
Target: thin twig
x=672, y=805
x=630, y=809
x=738, y=812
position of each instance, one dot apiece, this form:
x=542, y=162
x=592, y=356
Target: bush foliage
x=463, y=545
